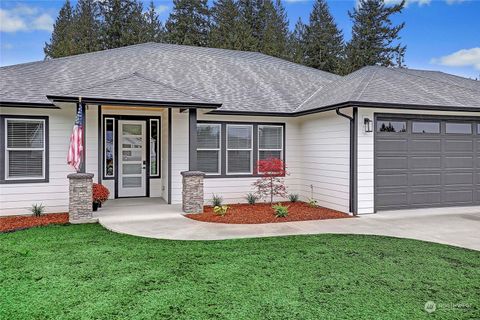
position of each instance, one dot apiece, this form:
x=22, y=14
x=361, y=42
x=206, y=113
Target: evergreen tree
x=226, y=26
x=188, y=23
x=374, y=37
x=250, y=24
x=62, y=40
x=296, y=43
x=324, y=45
x=153, y=26
x=274, y=34
x=123, y=23
x=87, y=27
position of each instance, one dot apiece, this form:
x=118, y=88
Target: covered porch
x=136, y=149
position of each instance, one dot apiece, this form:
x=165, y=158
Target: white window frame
x=219, y=149
x=158, y=148
x=282, y=154
x=7, y=149
x=105, y=148
x=229, y=149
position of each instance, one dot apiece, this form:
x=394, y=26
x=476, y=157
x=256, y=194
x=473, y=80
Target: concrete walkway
x=154, y=219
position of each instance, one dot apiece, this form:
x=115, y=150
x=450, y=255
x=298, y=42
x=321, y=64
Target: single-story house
x=376, y=139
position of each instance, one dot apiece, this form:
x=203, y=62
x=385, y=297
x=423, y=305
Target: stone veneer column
x=192, y=191
x=80, y=198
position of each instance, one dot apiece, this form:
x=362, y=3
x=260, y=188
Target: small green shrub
x=251, y=198
x=293, y=197
x=217, y=200
x=37, y=209
x=281, y=211
x=313, y=203
x=220, y=210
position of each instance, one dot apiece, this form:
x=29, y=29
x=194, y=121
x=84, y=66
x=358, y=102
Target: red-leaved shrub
x=272, y=182
x=100, y=193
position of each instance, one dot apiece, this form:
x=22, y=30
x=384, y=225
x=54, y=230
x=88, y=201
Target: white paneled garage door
x=426, y=162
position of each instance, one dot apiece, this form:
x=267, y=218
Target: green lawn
x=85, y=271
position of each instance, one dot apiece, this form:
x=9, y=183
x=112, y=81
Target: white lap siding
x=325, y=160
x=16, y=199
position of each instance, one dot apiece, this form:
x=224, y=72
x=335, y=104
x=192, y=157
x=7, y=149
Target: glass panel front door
x=132, y=159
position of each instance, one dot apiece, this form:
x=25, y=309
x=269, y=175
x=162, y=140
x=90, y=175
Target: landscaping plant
x=100, y=193
x=272, y=182
x=37, y=209
x=293, y=197
x=281, y=211
x=251, y=198
x=312, y=203
x=216, y=200
x=220, y=210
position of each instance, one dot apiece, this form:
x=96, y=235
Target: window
x=154, y=148
x=426, y=127
x=459, y=128
x=391, y=126
x=270, y=142
x=109, y=148
x=239, y=149
x=25, y=148
x=208, y=148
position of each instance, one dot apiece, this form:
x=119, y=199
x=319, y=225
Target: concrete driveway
x=154, y=219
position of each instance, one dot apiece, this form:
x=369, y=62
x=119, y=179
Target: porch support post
x=192, y=138
x=192, y=191
x=84, y=125
x=80, y=198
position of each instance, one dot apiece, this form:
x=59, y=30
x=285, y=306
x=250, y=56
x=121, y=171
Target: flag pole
x=84, y=123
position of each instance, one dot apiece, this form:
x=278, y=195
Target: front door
x=132, y=158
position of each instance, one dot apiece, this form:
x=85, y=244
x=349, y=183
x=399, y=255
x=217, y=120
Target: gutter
x=138, y=103
x=353, y=158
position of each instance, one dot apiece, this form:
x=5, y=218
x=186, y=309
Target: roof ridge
x=434, y=80
x=367, y=79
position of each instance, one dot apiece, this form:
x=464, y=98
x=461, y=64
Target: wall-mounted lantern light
x=368, y=124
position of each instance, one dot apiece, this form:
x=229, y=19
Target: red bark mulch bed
x=264, y=213
x=24, y=222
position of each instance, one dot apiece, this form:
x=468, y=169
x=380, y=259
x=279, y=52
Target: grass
x=86, y=272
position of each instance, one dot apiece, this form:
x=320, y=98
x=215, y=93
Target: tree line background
x=249, y=25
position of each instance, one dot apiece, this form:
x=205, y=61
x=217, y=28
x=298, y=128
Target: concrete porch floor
x=153, y=218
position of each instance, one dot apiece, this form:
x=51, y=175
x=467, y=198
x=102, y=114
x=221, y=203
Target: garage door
x=427, y=162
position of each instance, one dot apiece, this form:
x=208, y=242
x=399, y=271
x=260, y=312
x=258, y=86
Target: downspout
x=353, y=158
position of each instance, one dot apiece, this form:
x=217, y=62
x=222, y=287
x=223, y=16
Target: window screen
x=270, y=142
x=25, y=149
x=208, y=148
x=239, y=149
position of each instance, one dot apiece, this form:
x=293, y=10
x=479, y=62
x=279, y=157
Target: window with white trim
x=239, y=149
x=270, y=142
x=208, y=148
x=25, y=148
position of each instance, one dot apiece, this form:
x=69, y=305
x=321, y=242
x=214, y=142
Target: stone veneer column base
x=80, y=198
x=192, y=191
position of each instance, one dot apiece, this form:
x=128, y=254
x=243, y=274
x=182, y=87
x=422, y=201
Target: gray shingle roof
x=240, y=81
x=133, y=87
x=397, y=86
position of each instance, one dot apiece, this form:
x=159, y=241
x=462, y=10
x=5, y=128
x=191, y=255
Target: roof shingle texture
x=397, y=86
x=240, y=81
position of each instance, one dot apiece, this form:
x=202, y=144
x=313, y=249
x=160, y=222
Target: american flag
x=75, y=151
